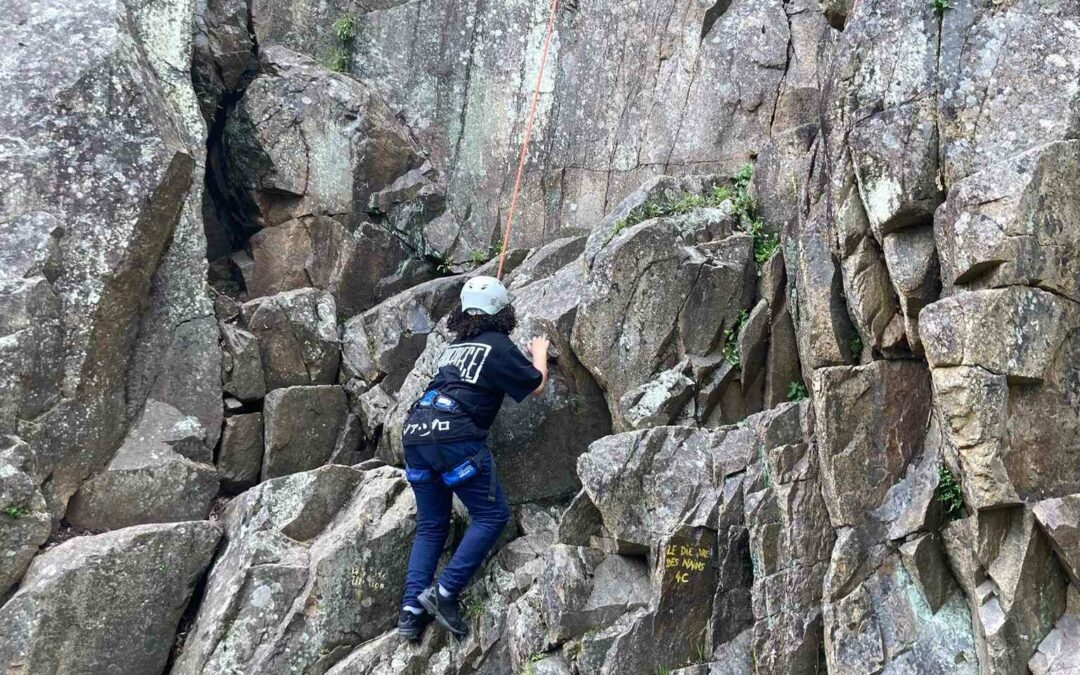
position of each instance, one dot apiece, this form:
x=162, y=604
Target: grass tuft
x=743, y=203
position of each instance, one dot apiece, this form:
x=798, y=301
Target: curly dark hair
x=465, y=326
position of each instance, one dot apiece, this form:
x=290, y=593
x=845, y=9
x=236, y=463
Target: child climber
x=446, y=451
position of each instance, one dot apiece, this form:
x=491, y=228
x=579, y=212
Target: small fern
x=949, y=494
x=796, y=391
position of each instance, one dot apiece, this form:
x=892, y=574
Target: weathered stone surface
x=1014, y=584
x=304, y=141
x=298, y=337
x=97, y=255
x=24, y=517
x=870, y=424
x=914, y=271
x=780, y=174
x=597, y=140
x=659, y=401
x=241, y=364
x=537, y=442
x=240, y=457
x=649, y=292
x=582, y=588
x=302, y=427
x=162, y=473
x=1060, y=520
x=134, y=583
x=1014, y=222
x=645, y=483
x=789, y=542
x=223, y=51
x=312, y=566
x=822, y=325
x=546, y=261
x=1011, y=413
x=1059, y=652
x=884, y=626
x=320, y=252
x=1004, y=88
x=924, y=560
x=1015, y=332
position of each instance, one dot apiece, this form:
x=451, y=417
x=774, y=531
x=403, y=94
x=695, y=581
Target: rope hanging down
x=525, y=141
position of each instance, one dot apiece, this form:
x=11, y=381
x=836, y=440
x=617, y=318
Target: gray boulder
x=304, y=141
x=240, y=455
x=312, y=567
x=298, y=337
x=302, y=428
x=162, y=473
x=649, y=291
x=1013, y=223
x=125, y=590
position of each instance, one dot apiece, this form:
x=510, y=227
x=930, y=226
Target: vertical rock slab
x=240, y=456
x=67, y=120
x=648, y=292
x=1004, y=365
x=870, y=422
x=303, y=425
x=1014, y=584
x=1014, y=222
x=25, y=522
x=125, y=590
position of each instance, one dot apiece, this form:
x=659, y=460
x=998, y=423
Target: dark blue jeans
x=487, y=518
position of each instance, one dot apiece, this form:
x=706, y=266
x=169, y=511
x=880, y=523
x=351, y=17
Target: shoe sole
x=410, y=635
x=433, y=609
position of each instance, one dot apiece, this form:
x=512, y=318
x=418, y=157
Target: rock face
x=316, y=560
x=809, y=271
x=161, y=474
x=134, y=583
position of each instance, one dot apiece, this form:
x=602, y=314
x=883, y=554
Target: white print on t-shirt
x=469, y=357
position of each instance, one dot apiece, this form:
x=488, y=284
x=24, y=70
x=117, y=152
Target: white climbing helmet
x=486, y=294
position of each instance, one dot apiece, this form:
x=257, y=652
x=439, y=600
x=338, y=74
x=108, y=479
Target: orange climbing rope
x=525, y=141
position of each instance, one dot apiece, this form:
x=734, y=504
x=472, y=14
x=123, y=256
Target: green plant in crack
x=949, y=494
x=731, y=338
x=339, y=57
x=345, y=29
x=939, y=6
x=856, y=346
x=473, y=605
x=337, y=60
x=14, y=511
x=796, y=391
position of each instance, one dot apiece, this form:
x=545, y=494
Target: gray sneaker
x=445, y=611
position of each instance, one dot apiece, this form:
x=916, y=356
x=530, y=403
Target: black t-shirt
x=476, y=373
